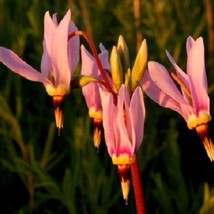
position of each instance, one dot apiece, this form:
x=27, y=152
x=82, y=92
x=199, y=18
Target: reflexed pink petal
x=189, y=43
x=46, y=64
x=181, y=74
x=108, y=119
x=197, y=76
x=102, y=47
x=49, y=31
x=159, y=96
x=59, y=54
x=92, y=96
x=17, y=65
x=138, y=113
x=162, y=79
x=73, y=44
x=104, y=57
x=89, y=66
x=123, y=143
x=90, y=91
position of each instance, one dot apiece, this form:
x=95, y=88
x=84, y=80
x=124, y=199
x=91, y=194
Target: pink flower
x=123, y=124
x=59, y=60
x=91, y=90
x=122, y=127
x=192, y=101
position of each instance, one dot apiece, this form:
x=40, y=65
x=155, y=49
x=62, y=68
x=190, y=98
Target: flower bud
x=78, y=81
x=124, y=53
x=139, y=65
x=116, y=69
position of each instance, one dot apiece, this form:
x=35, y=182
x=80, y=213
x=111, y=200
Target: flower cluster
x=113, y=90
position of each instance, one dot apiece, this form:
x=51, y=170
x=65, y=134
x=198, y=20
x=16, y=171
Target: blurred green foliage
x=41, y=172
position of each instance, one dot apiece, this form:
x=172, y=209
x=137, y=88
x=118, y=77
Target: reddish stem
x=138, y=188
x=95, y=54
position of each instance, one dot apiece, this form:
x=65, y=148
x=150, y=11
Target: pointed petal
x=163, y=99
x=123, y=143
x=197, y=76
x=46, y=65
x=158, y=95
x=88, y=64
x=17, y=65
x=102, y=47
x=74, y=47
x=108, y=113
x=90, y=91
x=50, y=26
x=181, y=74
x=49, y=31
x=162, y=79
x=137, y=112
x=104, y=57
x=190, y=42
x=92, y=96
x=89, y=67
x=60, y=52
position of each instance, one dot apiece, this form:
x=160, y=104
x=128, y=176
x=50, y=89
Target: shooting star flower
x=123, y=130
x=59, y=60
x=91, y=90
x=192, y=101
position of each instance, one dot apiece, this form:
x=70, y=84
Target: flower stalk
x=138, y=188
x=95, y=54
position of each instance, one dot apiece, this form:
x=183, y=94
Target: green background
x=65, y=174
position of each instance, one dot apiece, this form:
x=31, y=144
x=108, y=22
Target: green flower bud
x=116, y=69
x=124, y=53
x=139, y=65
x=78, y=81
